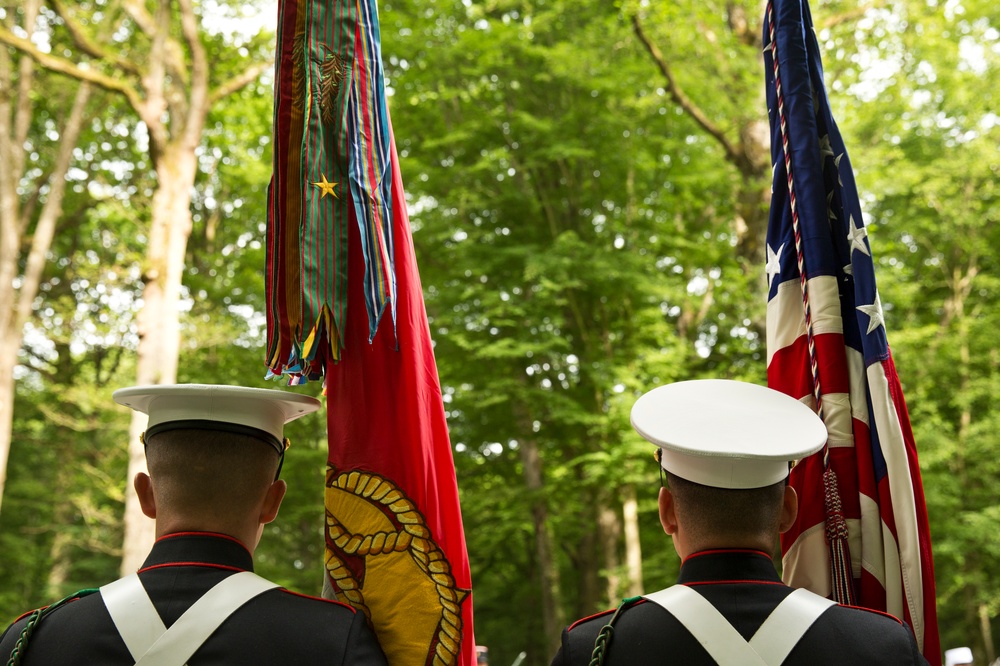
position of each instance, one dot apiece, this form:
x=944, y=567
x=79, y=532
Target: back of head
x=726, y=447
x=209, y=477
x=729, y=517
x=213, y=451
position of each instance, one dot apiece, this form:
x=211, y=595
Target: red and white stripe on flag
x=890, y=557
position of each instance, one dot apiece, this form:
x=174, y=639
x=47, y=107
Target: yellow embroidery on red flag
x=382, y=559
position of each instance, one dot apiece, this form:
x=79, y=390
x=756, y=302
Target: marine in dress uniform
x=195, y=600
x=725, y=448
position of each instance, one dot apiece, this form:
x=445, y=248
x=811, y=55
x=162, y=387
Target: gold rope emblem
x=382, y=559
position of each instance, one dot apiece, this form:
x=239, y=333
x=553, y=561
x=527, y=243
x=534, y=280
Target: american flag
x=827, y=346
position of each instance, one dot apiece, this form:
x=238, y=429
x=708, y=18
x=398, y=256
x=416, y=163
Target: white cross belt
x=150, y=642
x=772, y=643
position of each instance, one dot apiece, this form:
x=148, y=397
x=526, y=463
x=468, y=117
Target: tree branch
x=850, y=15
x=136, y=9
x=61, y=418
x=31, y=202
x=246, y=77
x=44, y=366
x=199, y=74
x=739, y=24
x=86, y=44
x=46, y=227
x=733, y=152
x=154, y=83
x=151, y=27
x=23, y=113
x=67, y=68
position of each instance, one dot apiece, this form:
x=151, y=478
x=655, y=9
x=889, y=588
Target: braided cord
x=836, y=526
x=799, y=254
x=607, y=633
x=36, y=616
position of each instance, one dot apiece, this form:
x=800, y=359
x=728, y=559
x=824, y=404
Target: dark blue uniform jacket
x=276, y=627
x=743, y=586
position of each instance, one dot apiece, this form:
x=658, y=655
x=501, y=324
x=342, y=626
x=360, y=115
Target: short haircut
x=733, y=513
x=209, y=472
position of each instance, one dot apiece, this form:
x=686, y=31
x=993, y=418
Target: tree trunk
x=59, y=555
x=10, y=240
x=610, y=530
x=590, y=596
x=158, y=324
x=633, y=548
x=16, y=301
x=987, y=633
x=10, y=343
x=552, y=616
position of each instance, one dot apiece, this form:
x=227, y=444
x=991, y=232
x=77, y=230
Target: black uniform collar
x=199, y=548
x=728, y=565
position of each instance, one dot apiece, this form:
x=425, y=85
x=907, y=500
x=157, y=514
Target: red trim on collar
x=330, y=601
x=733, y=582
x=217, y=535
x=722, y=551
x=224, y=567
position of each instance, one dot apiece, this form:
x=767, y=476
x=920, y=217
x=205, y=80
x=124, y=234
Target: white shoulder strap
x=133, y=613
x=779, y=634
x=787, y=624
x=193, y=628
x=174, y=646
x=707, y=625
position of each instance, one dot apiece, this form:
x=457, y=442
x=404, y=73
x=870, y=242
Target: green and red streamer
x=331, y=157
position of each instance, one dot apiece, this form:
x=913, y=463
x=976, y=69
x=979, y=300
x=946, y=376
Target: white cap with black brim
x=727, y=434
x=259, y=413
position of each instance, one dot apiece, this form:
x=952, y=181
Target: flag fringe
x=305, y=361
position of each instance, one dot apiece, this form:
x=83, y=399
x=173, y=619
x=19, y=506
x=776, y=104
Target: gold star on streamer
x=327, y=187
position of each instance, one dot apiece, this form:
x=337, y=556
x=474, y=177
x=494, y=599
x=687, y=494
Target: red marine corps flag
x=340, y=257
x=862, y=536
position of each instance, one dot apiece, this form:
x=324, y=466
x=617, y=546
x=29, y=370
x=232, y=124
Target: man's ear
x=272, y=501
x=789, y=509
x=668, y=515
x=144, y=491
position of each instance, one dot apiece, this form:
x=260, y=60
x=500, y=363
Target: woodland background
x=587, y=183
